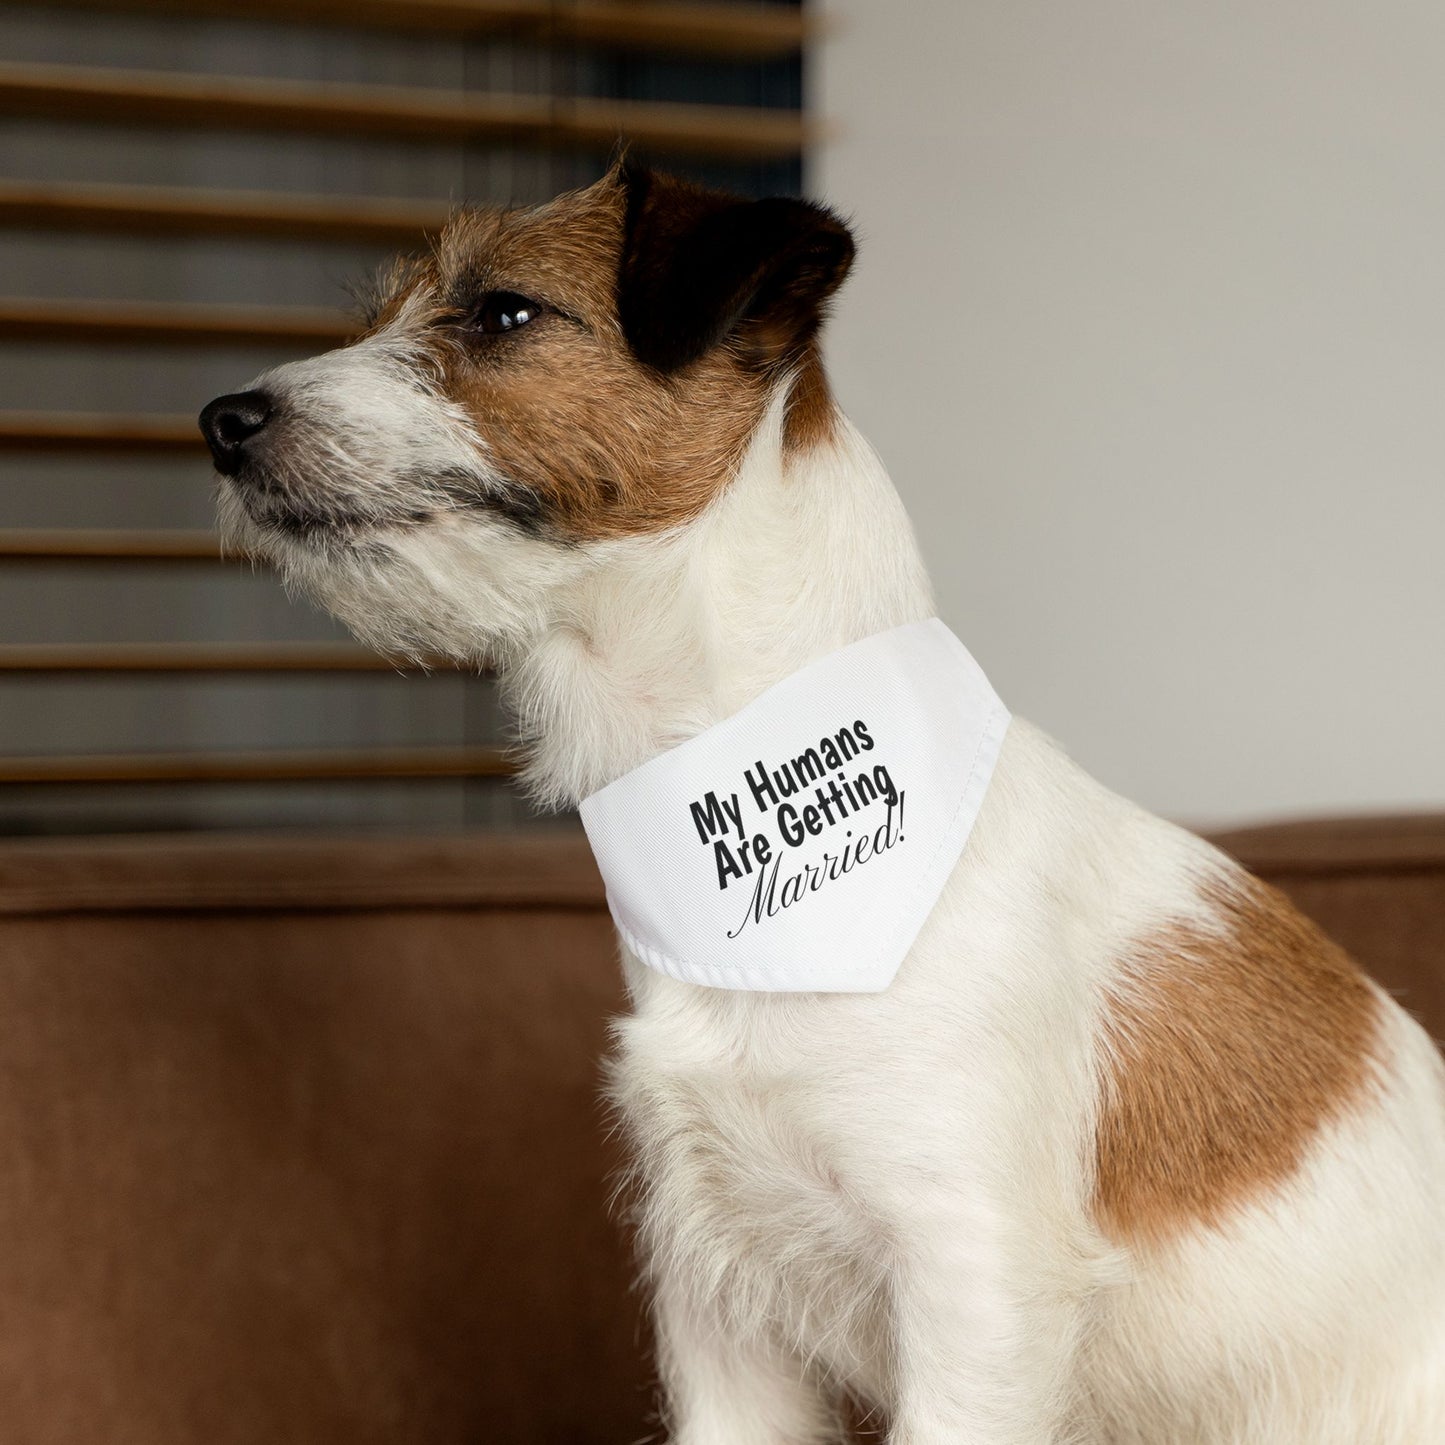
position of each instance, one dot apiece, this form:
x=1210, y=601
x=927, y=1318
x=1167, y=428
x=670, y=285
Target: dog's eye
x=504, y=311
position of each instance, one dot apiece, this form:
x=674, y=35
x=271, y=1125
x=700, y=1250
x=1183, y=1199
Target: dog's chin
x=240, y=533
x=454, y=586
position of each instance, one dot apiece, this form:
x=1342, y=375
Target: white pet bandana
x=801, y=844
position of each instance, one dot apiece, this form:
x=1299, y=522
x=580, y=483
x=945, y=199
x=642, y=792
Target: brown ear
x=699, y=266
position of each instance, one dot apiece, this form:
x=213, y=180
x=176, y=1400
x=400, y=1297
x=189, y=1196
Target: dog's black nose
x=229, y=422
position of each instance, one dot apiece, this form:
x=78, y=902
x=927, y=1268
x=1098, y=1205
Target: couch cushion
x=303, y=1143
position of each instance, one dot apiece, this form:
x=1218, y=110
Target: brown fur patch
x=605, y=445
x=1226, y=1053
x=812, y=416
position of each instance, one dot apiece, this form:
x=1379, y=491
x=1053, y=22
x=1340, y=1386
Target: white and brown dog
x=1128, y=1152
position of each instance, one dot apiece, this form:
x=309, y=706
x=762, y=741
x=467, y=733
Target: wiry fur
x=895, y=1195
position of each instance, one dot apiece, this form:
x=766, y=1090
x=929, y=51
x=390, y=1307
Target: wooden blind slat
x=83, y=544
x=173, y=211
x=329, y=765
x=171, y=323
x=77, y=431
x=761, y=32
x=217, y=102
x=186, y=657
x=755, y=32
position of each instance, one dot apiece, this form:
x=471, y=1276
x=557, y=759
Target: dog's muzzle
x=232, y=422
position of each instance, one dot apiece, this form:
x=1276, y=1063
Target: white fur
x=889, y=1194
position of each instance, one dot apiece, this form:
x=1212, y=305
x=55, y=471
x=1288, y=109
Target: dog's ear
x=699, y=266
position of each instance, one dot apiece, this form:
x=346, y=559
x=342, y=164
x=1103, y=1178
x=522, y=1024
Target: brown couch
x=302, y=1141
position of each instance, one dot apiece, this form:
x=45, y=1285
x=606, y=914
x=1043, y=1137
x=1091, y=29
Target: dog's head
x=545, y=383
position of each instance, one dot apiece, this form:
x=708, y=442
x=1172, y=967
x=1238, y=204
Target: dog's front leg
x=984, y=1337
x=724, y=1387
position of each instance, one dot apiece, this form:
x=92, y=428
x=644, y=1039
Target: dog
x=1127, y=1152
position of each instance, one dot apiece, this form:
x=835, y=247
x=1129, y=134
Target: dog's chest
x=744, y=1158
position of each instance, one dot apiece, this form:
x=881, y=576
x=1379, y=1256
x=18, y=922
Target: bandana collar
x=800, y=845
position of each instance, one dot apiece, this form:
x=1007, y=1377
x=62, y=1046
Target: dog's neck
x=803, y=553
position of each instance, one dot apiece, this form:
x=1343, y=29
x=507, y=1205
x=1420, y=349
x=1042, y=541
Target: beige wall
x=1149, y=324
